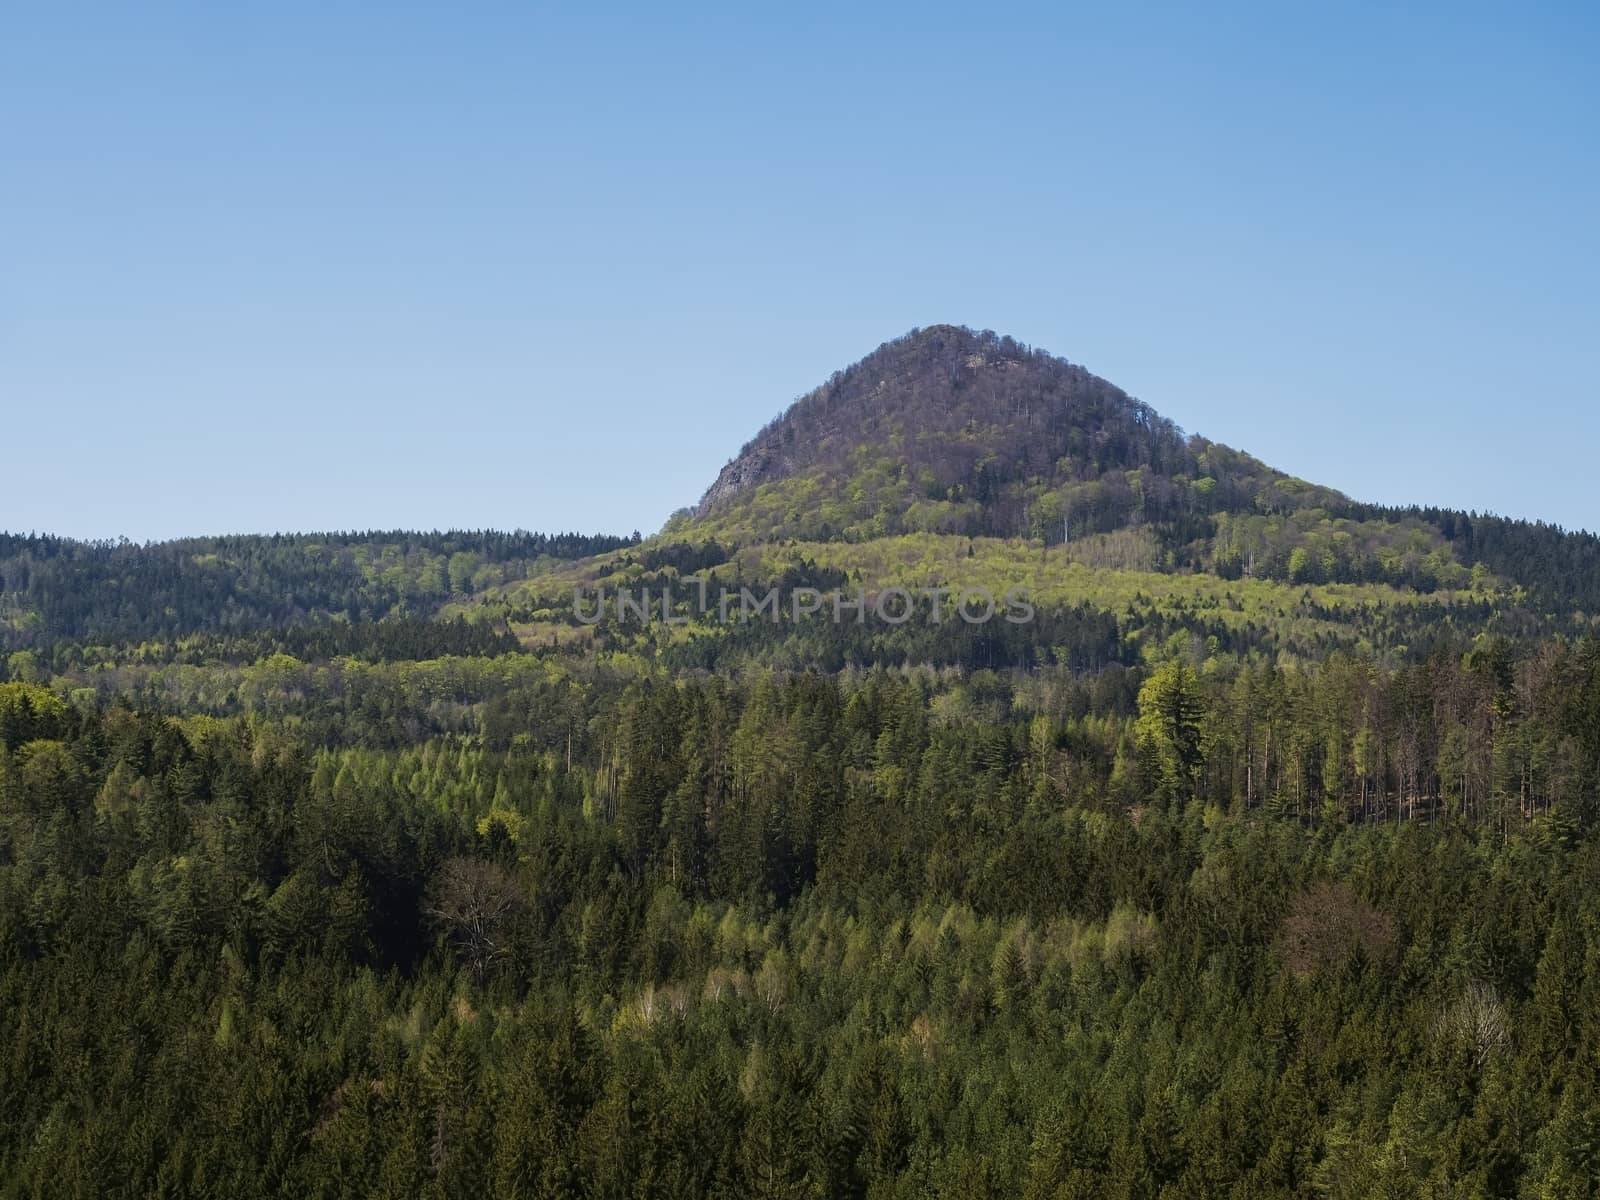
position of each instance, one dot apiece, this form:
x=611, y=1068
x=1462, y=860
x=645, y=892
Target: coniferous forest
x=1264, y=861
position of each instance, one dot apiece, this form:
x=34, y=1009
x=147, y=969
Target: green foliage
x=1168, y=729
x=885, y=933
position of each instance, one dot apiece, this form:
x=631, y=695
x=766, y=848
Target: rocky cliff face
x=754, y=466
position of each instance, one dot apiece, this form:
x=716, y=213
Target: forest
x=532, y=925
x=1262, y=861
x=54, y=589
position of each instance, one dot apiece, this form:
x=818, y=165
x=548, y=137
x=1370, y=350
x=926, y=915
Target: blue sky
x=284, y=266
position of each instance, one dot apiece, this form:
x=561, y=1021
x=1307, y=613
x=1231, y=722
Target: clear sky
x=307, y=266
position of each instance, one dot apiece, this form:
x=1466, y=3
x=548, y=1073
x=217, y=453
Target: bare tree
x=473, y=901
x=1328, y=925
x=1477, y=1023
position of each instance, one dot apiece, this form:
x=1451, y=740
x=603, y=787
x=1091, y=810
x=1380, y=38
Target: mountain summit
x=947, y=430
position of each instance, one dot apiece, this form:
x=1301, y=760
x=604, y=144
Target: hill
x=973, y=431
x=951, y=431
